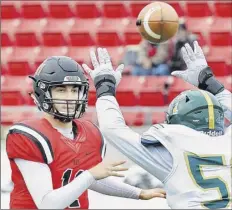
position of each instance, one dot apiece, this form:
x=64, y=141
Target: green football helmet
x=197, y=109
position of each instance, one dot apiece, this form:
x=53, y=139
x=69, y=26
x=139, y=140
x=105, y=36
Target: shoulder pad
x=34, y=137
x=148, y=138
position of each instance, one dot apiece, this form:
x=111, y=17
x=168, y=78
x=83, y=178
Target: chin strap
x=62, y=119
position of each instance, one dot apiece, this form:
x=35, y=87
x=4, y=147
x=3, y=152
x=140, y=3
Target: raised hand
x=195, y=62
x=103, y=65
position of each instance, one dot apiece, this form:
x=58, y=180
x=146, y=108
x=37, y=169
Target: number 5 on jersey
x=197, y=166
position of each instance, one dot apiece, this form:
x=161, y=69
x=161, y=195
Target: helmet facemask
x=51, y=105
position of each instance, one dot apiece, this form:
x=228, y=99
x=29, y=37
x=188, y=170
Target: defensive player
x=55, y=159
x=191, y=152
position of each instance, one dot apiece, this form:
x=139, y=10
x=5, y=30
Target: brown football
x=158, y=22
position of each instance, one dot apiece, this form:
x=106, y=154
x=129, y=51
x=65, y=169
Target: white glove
x=103, y=65
x=195, y=61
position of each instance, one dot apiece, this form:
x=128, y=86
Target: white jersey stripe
x=40, y=138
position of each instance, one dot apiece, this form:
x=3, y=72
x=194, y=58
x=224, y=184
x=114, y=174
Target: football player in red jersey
x=55, y=159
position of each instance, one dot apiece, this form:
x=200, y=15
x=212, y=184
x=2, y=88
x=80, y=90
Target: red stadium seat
x=140, y=119
x=223, y=9
x=10, y=10
x=177, y=87
x=11, y=91
x=28, y=32
x=6, y=40
x=133, y=118
x=56, y=31
x=17, y=86
x=81, y=39
x=115, y=9
x=202, y=40
x=221, y=24
x=220, y=59
x=53, y=39
x=218, y=66
x=177, y=6
x=28, y=99
x=10, y=116
x=5, y=55
x=128, y=91
x=8, y=28
x=221, y=33
x=151, y=98
x=158, y=117
x=110, y=31
x=151, y=93
x=87, y=9
x=132, y=24
x=46, y=52
x=87, y=24
x=16, y=83
x=82, y=32
x=229, y=66
x=136, y=7
x=33, y=9
x=116, y=54
x=12, y=98
x=132, y=37
x=224, y=52
x=199, y=25
x=220, y=38
x=92, y=92
x=20, y=62
x=198, y=9
x=80, y=54
x=3, y=69
x=60, y=9
x=114, y=24
x=108, y=38
x=131, y=33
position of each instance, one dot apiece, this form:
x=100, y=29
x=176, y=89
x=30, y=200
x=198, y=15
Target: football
x=157, y=22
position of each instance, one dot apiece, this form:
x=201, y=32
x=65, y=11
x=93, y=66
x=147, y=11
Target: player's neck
x=56, y=123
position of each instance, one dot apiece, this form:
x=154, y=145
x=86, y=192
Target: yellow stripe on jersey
x=210, y=109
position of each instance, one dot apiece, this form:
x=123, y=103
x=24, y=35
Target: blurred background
x=31, y=31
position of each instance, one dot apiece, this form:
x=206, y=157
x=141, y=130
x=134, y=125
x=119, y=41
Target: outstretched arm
x=111, y=121
x=113, y=187
x=199, y=74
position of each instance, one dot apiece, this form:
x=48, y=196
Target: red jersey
x=37, y=140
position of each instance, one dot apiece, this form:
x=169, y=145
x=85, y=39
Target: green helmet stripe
x=210, y=109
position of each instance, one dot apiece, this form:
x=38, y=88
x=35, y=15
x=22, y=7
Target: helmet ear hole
x=187, y=99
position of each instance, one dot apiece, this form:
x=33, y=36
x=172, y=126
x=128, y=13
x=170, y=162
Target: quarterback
x=190, y=152
x=55, y=159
